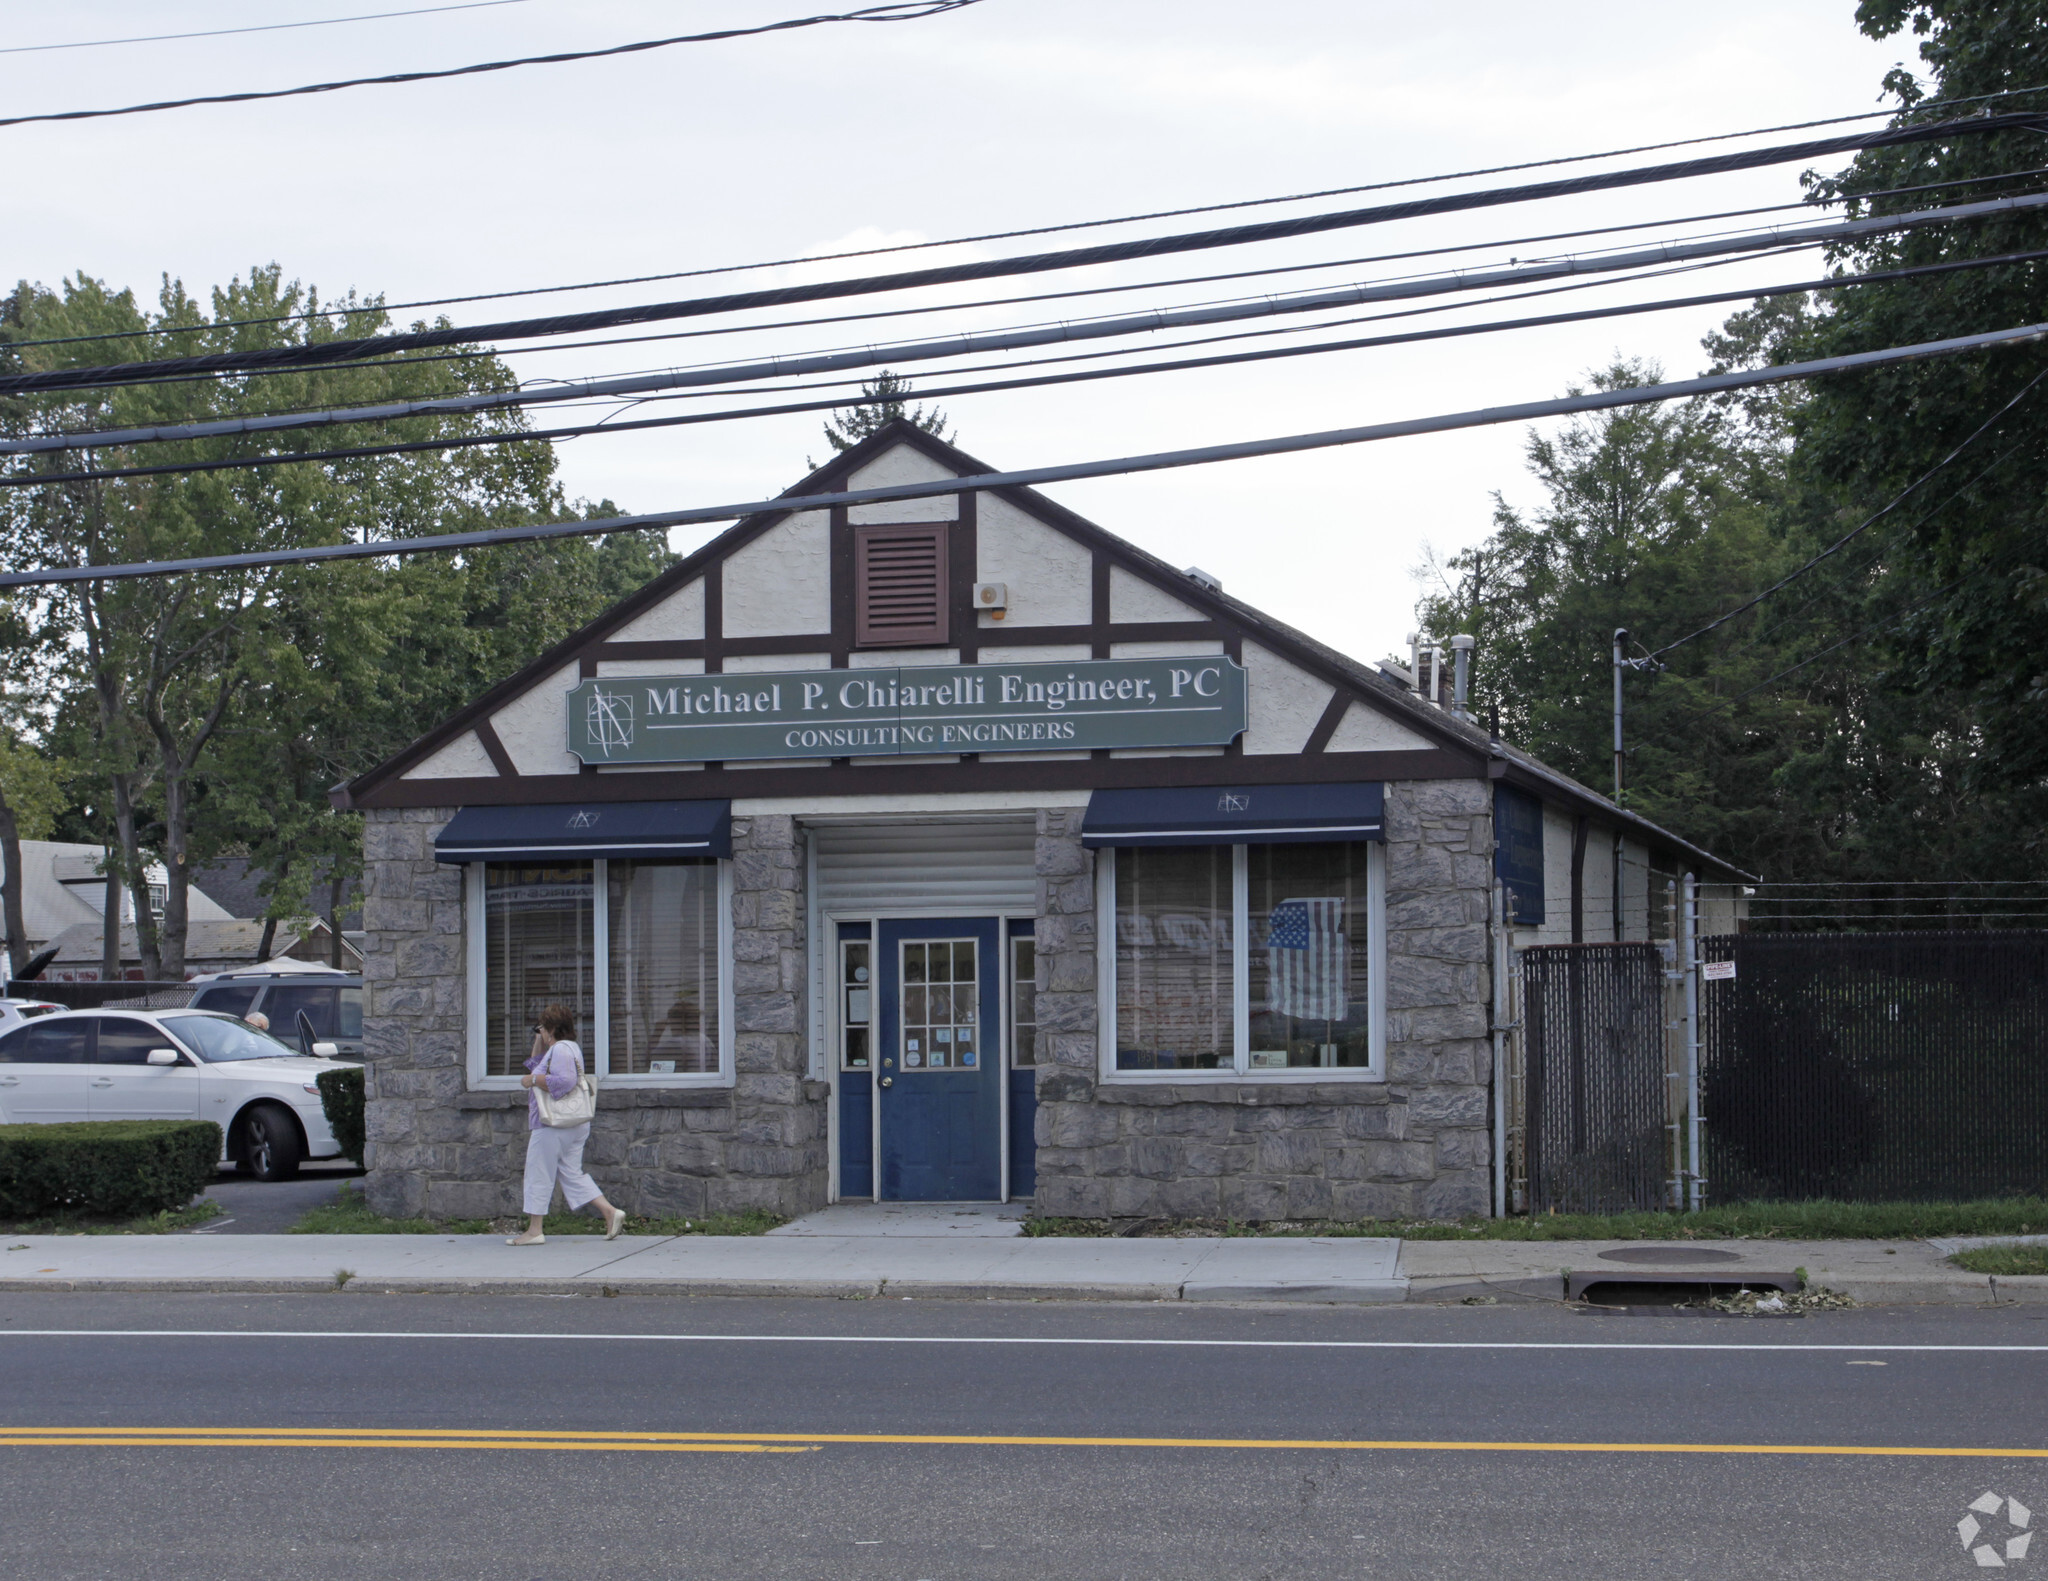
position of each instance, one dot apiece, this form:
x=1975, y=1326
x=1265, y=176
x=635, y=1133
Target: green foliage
x=2003, y=1260
x=168, y=1221
x=350, y=1215
x=849, y=425
x=33, y=788
x=109, y=1167
x=341, y=1100
x=210, y=715
x=1786, y=1221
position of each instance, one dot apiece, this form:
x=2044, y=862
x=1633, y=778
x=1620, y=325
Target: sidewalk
x=969, y=1252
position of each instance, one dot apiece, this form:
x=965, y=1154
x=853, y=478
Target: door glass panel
x=126, y=1042
x=857, y=1006
x=1023, y=1003
x=940, y=999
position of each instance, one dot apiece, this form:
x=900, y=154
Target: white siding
x=1049, y=575
x=677, y=618
x=965, y=869
x=1366, y=729
x=534, y=726
x=1133, y=599
x=780, y=585
x=1282, y=703
x=463, y=758
x=903, y=465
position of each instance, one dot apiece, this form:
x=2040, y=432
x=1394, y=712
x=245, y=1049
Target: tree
x=849, y=425
x=216, y=710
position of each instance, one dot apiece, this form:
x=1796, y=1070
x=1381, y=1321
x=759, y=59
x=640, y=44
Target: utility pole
x=1620, y=643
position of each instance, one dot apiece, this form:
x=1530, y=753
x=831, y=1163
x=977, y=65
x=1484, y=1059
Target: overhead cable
x=1120, y=219
x=264, y=27
x=1229, y=236
x=1286, y=444
x=1868, y=522
x=897, y=11
x=943, y=392
x=1774, y=237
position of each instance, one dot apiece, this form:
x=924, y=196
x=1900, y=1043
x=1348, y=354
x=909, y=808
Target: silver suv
x=331, y=1002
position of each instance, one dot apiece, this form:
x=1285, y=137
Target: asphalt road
x=323, y=1372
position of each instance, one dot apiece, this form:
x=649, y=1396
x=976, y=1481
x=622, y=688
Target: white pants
x=557, y=1154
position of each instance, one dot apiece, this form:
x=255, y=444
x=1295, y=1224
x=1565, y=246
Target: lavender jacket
x=564, y=1062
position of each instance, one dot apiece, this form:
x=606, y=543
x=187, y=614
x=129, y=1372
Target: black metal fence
x=1876, y=1067
x=1594, y=1063
x=113, y=991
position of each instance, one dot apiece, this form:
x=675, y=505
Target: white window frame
x=1240, y=894
x=598, y=1047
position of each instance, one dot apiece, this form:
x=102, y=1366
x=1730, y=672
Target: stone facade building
x=942, y=845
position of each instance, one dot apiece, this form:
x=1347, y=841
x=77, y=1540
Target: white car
x=172, y=1065
x=17, y=1012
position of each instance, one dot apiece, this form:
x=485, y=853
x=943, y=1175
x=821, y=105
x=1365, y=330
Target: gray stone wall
x=1414, y=1145
x=439, y=1150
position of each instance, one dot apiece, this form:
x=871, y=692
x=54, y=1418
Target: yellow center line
x=798, y=1443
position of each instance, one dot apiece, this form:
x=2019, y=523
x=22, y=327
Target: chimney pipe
x=1462, y=645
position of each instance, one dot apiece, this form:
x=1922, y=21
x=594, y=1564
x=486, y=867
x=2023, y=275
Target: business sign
x=1179, y=702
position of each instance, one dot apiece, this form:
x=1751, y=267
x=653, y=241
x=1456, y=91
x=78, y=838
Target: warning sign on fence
x=1718, y=971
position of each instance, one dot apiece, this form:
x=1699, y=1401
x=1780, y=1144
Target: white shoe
x=529, y=1240
x=614, y=1224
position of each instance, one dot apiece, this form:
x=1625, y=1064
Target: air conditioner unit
x=992, y=597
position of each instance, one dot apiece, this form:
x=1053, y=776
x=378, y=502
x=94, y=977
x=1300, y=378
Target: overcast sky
x=1009, y=114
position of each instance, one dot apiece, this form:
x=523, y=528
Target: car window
x=123, y=1041
x=60, y=1041
x=351, y=1013
x=234, y=1000
x=14, y=1046
x=218, y=1040
x=30, y=1012
x=320, y=1002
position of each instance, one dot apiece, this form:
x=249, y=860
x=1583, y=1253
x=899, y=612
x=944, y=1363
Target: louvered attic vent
x=899, y=579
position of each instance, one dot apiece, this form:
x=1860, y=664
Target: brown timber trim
x=826, y=641
x=840, y=552
x=874, y=779
x=494, y=749
x=1579, y=826
x=1326, y=727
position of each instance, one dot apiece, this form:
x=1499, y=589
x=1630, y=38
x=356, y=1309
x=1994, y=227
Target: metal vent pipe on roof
x=1461, y=685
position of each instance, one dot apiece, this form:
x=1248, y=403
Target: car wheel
x=270, y=1144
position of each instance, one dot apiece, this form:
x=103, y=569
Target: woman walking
x=556, y=1153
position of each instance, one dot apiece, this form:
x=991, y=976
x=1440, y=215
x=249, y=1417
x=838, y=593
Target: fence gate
x=1875, y=1067
x=1593, y=1050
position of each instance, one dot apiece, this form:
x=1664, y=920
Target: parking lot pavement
x=254, y=1207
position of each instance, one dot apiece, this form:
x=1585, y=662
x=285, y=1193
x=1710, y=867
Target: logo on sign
x=1233, y=801
x=609, y=717
x=585, y=820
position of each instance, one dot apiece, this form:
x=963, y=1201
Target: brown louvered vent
x=899, y=597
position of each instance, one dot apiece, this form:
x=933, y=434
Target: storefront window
x=1174, y=977
x=1248, y=960
x=662, y=933
x=1310, y=962
x=539, y=950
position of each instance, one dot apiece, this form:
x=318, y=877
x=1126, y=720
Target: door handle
x=887, y=1081
x=103, y=1081
x=10, y=1081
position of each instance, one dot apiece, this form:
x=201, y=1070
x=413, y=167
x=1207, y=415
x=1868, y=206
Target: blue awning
x=576, y=831
x=1234, y=815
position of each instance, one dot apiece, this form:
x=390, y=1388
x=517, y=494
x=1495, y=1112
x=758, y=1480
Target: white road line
x=971, y=1339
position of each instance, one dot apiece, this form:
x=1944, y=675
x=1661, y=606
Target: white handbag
x=577, y=1106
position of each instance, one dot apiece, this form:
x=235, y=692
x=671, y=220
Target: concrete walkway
x=869, y=1254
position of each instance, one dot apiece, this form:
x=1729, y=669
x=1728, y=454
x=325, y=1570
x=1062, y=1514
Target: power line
x=1869, y=521
x=267, y=27
x=1071, y=258
x=1127, y=219
x=895, y=11
x=872, y=356
x=1288, y=444
x=517, y=436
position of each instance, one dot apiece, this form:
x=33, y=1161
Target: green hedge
x=341, y=1100
x=119, y=1168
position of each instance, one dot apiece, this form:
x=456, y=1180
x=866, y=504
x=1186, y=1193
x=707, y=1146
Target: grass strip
x=348, y=1214
x=168, y=1222
x=1819, y=1220
x=2009, y=1260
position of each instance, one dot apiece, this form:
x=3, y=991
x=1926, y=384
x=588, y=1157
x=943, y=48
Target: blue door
x=939, y=1071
